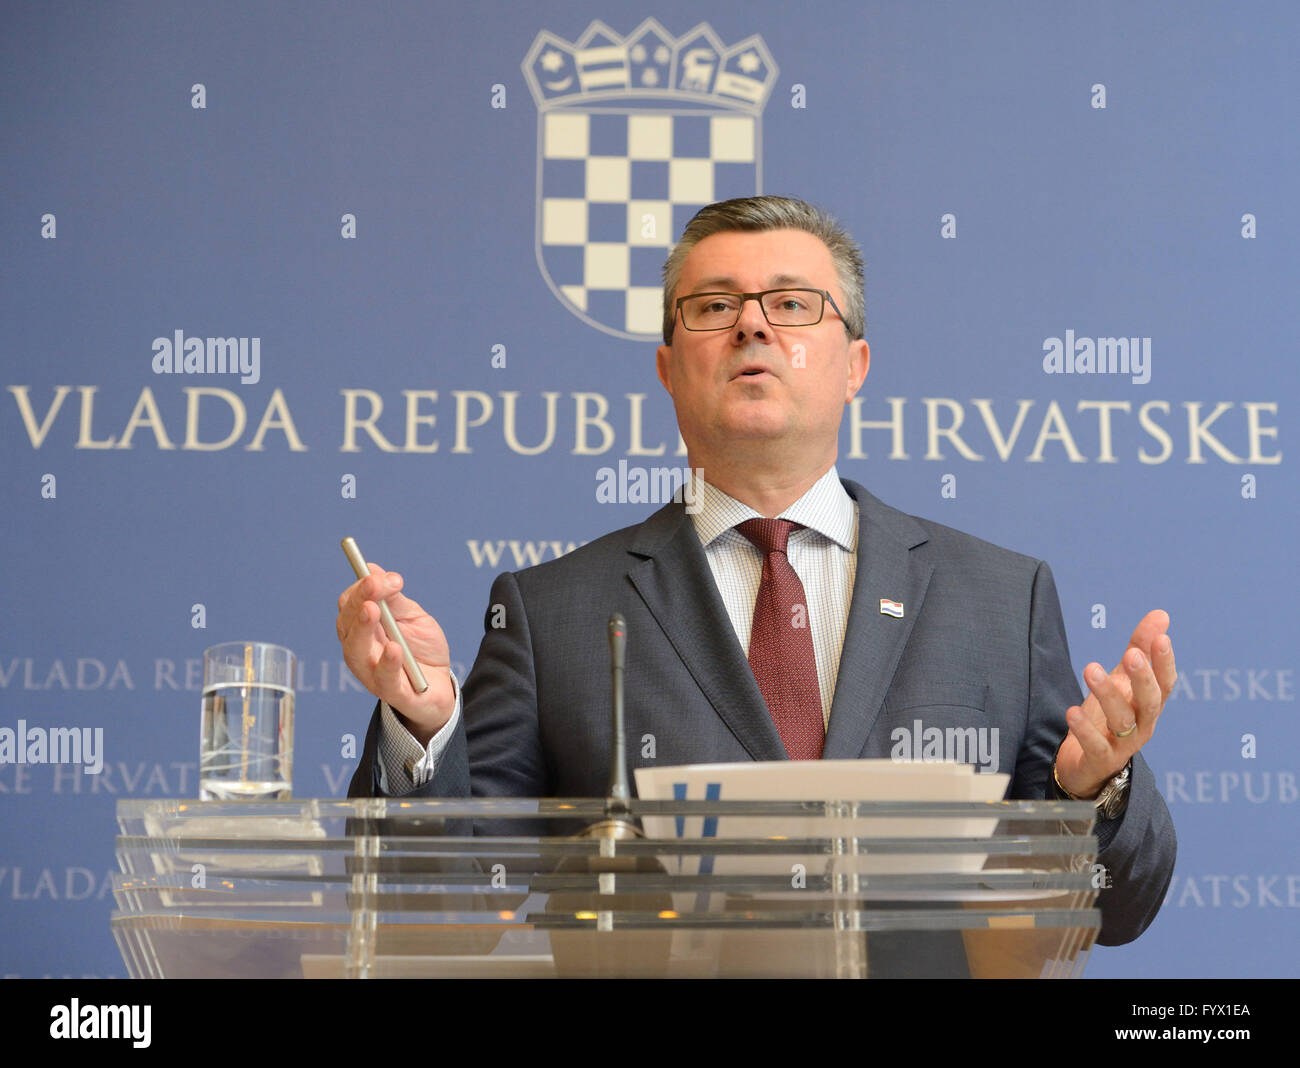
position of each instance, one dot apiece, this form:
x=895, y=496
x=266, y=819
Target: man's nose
x=752, y=322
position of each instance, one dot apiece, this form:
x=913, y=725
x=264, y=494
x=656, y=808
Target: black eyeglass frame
x=823, y=293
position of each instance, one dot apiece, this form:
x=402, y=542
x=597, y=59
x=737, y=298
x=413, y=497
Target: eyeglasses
x=781, y=307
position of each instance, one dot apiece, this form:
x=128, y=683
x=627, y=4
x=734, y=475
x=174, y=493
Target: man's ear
x=663, y=366
x=859, y=364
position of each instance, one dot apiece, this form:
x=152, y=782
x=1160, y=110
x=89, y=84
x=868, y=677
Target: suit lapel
x=673, y=577
x=874, y=641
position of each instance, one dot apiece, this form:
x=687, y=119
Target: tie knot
x=769, y=535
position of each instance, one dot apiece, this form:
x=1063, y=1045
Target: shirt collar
x=826, y=508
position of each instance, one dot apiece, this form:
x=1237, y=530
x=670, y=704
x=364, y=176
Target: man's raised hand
x=376, y=660
x=1119, y=715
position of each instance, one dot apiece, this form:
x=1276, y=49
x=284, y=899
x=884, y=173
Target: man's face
x=784, y=385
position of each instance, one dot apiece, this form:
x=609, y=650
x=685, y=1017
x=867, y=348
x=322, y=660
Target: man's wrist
x=419, y=733
x=1111, y=799
x=424, y=734
x=1070, y=795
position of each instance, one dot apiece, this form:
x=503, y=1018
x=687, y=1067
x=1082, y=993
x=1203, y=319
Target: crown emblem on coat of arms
x=635, y=135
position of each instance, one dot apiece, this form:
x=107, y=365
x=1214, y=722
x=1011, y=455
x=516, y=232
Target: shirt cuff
x=403, y=762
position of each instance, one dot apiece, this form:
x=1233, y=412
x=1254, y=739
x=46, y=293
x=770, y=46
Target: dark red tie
x=781, y=646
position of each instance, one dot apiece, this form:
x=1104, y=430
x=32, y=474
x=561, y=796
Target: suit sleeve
x=502, y=728
x=450, y=776
x=498, y=724
x=1137, y=849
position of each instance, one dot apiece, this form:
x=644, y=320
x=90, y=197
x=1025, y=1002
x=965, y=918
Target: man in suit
x=784, y=613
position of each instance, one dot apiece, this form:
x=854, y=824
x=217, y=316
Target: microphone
x=619, y=790
x=631, y=952
x=617, y=823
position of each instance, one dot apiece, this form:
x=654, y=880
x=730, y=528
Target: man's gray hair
x=757, y=214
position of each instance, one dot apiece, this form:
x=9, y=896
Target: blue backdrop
x=433, y=225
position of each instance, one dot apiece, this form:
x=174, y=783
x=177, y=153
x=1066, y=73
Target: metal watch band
x=1113, y=798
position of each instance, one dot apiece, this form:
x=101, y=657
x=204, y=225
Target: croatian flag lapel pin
x=891, y=608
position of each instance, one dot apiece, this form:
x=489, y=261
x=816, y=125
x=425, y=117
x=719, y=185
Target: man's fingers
x=1162, y=663
x=379, y=585
x=1094, y=744
x=387, y=668
x=1120, y=714
x=1112, y=697
x=356, y=633
x=374, y=586
x=404, y=608
x=1147, y=698
x=377, y=661
x=386, y=586
x=1152, y=640
x=1148, y=631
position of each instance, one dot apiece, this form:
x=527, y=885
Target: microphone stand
x=643, y=953
x=618, y=822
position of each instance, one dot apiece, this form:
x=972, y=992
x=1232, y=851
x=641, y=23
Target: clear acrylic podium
x=385, y=888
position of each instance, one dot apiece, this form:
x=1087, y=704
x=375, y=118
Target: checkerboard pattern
x=617, y=190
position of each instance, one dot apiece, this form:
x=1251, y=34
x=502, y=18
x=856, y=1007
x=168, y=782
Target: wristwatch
x=1113, y=799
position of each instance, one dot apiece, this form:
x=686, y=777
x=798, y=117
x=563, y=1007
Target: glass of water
x=246, y=744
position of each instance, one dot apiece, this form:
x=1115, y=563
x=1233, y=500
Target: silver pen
x=413, y=671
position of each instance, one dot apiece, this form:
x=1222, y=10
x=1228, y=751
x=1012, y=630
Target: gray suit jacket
x=981, y=643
